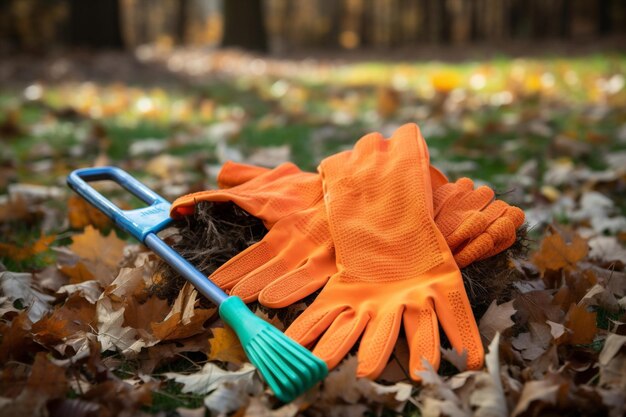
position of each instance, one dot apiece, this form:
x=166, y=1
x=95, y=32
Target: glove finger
x=313, y=321
x=500, y=235
x=254, y=257
x=457, y=320
x=422, y=333
x=495, y=210
x=378, y=342
x=340, y=337
x=301, y=282
x=450, y=191
x=443, y=194
x=516, y=215
x=235, y=173
x=472, y=225
x=503, y=234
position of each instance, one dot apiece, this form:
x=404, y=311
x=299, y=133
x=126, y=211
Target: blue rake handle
x=142, y=223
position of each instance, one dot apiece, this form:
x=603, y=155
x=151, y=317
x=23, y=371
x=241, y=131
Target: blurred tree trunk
x=95, y=23
x=244, y=25
x=182, y=20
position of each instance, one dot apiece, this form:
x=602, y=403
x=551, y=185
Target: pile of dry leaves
x=90, y=335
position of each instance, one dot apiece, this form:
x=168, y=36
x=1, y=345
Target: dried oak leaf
x=555, y=253
x=183, y=320
x=225, y=346
x=496, y=319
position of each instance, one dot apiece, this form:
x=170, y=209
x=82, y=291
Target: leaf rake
x=288, y=368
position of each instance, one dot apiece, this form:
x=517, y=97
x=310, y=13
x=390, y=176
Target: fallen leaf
x=556, y=329
x=77, y=273
x=93, y=246
x=496, y=319
x=612, y=345
x=90, y=290
x=46, y=381
x=582, y=323
x=225, y=346
x=544, y=390
x=17, y=341
x=555, y=253
x=488, y=395
x=183, y=320
x=82, y=214
x=20, y=286
x=211, y=377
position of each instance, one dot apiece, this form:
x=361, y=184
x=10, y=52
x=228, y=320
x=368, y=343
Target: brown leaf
x=544, y=391
x=555, y=253
x=496, y=319
x=94, y=247
x=582, y=323
x=77, y=273
x=82, y=214
x=46, y=381
x=75, y=315
x=184, y=320
x=17, y=342
x=225, y=346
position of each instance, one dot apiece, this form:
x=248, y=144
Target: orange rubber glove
x=474, y=224
x=394, y=265
x=296, y=256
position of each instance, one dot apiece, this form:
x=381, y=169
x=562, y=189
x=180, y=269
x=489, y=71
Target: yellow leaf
x=225, y=346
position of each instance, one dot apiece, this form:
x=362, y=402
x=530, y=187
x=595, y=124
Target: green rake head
x=288, y=368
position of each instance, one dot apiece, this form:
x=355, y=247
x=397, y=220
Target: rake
x=288, y=368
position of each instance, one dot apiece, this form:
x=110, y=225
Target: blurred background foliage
x=287, y=26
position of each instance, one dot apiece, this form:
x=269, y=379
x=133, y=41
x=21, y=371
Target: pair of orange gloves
x=382, y=231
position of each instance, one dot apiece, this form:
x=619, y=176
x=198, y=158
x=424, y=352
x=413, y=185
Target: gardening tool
x=288, y=368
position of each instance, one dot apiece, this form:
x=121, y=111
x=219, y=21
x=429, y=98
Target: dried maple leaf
x=555, y=253
x=496, y=319
x=82, y=214
x=225, y=346
x=91, y=245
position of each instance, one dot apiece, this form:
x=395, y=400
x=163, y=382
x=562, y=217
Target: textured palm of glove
x=394, y=265
x=297, y=247
x=474, y=224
